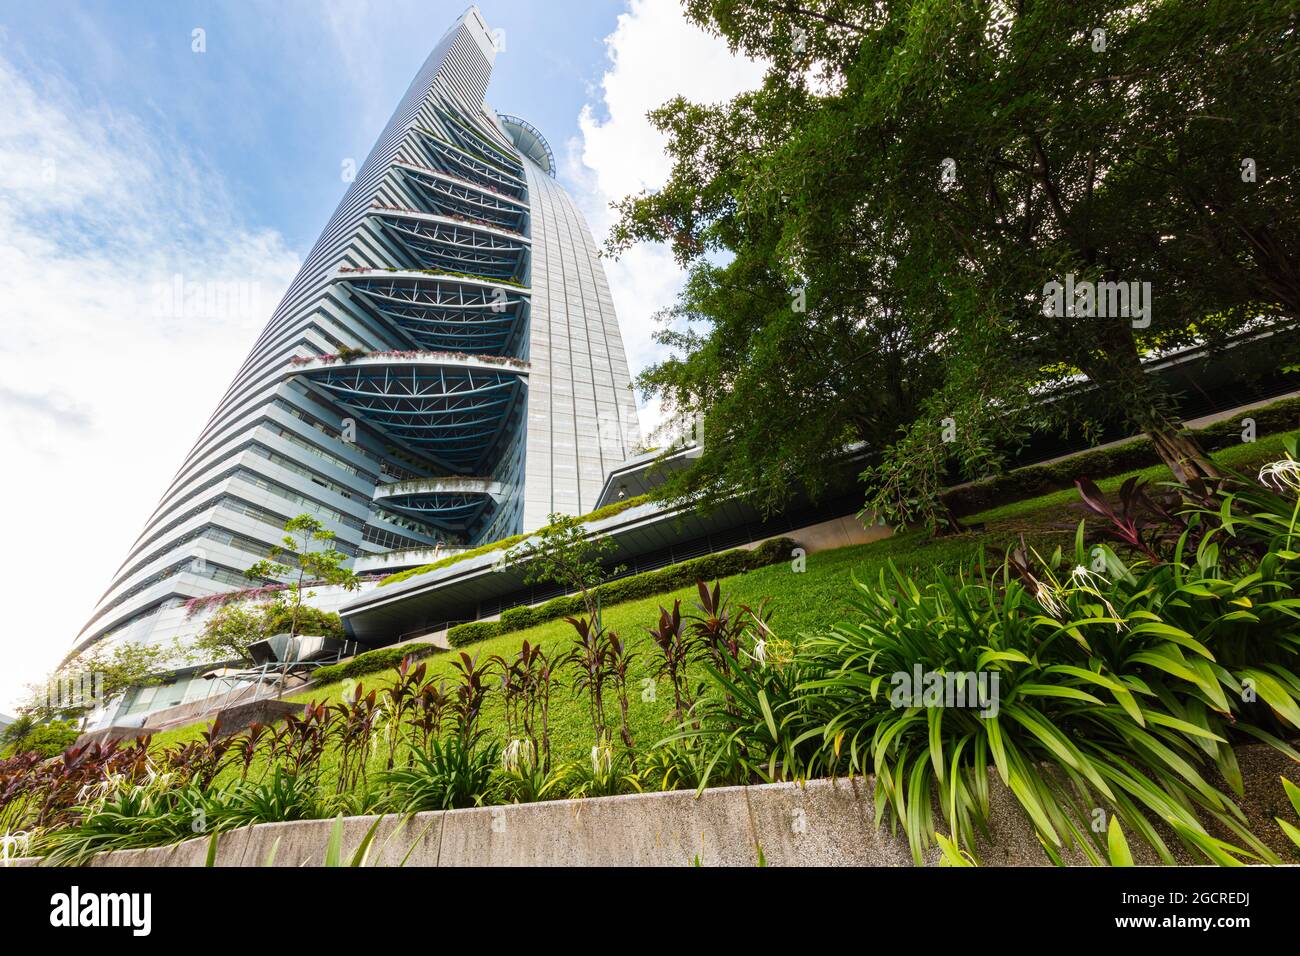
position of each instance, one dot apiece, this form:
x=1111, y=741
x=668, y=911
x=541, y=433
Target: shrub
x=451, y=774
x=1086, y=683
x=158, y=812
x=608, y=773
x=48, y=739
x=647, y=584
x=311, y=621
x=371, y=661
x=473, y=632
x=518, y=618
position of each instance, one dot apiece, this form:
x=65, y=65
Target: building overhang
x=528, y=139
x=397, y=212
x=442, y=312
x=450, y=407
x=443, y=190
x=475, y=168
x=403, y=608
x=452, y=503
x=446, y=242
x=642, y=473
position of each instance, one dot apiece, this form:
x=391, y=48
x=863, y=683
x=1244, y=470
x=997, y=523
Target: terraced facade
x=445, y=369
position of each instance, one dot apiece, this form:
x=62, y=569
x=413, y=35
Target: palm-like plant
x=353, y=730
x=473, y=684
x=589, y=661
x=717, y=628
x=526, y=687
x=450, y=774
x=619, y=660
x=431, y=704
x=399, y=699
x=674, y=655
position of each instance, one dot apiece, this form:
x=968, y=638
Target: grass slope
x=802, y=602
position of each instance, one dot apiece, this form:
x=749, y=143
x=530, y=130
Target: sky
x=134, y=150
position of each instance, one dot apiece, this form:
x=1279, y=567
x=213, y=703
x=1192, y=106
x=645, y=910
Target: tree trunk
x=1119, y=367
x=1181, y=453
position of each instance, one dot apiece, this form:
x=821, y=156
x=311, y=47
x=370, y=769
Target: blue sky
x=127, y=159
x=288, y=89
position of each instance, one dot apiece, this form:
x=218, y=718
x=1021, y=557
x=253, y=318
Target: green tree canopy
x=566, y=553
x=96, y=677
x=923, y=170
x=307, y=557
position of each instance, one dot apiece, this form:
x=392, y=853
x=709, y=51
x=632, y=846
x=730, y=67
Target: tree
x=15, y=732
x=227, y=634
x=310, y=565
x=98, y=676
x=233, y=627
x=940, y=165
x=565, y=553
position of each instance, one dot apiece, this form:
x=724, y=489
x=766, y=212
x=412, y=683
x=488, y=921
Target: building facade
x=446, y=368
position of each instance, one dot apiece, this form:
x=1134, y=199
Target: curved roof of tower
x=528, y=139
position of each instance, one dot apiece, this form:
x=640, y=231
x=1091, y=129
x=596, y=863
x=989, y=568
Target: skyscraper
x=446, y=368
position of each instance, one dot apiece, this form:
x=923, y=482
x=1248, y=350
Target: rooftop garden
x=436, y=272
x=468, y=220
x=475, y=155
x=506, y=543
x=352, y=355
x=467, y=182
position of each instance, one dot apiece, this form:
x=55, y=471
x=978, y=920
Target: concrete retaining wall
x=821, y=823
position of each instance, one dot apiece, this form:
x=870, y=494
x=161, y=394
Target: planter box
x=268, y=710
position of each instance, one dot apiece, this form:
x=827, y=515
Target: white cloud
x=655, y=54
x=103, y=391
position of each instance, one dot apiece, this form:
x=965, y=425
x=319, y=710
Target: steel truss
x=454, y=414
x=462, y=248
x=445, y=315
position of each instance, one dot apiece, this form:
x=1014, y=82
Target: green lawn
x=802, y=602
x=816, y=597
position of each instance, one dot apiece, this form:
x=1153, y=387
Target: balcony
x=459, y=162
x=457, y=243
x=443, y=313
x=452, y=408
x=474, y=140
x=453, y=195
x=453, y=503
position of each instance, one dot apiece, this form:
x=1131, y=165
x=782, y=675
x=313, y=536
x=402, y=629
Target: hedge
x=473, y=632
x=606, y=512
x=648, y=583
x=369, y=662
x=1034, y=480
